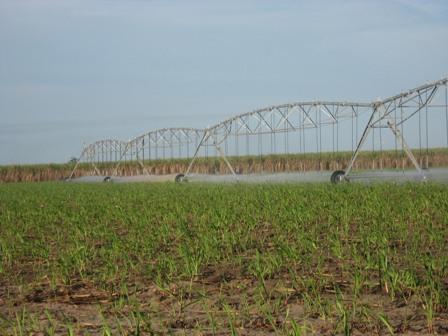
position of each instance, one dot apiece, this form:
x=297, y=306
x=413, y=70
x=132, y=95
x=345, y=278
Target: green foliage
x=382, y=237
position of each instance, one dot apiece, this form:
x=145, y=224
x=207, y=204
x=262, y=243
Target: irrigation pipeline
x=409, y=124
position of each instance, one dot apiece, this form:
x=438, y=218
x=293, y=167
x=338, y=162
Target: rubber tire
x=336, y=176
x=107, y=179
x=179, y=178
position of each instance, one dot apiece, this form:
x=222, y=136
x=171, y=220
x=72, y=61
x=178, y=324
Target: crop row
x=225, y=258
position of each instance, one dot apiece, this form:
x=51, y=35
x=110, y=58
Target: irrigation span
x=396, y=132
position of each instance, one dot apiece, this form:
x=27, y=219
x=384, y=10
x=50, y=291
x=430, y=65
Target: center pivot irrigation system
x=408, y=124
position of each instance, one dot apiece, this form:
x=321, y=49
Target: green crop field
x=289, y=259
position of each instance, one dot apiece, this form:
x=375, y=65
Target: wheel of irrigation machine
x=107, y=179
x=179, y=178
x=337, y=176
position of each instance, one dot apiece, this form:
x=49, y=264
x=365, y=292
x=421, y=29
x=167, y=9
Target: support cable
x=188, y=146
x=272, y=134
x=317, y=140
x=402, y=134
x=196, y=143
x=402, y=127
x=427, y=133
x=337, y=135
x=381, y=149
x=171, y=145
x=236, y=145
x=304, y=142
x=216, y=153
x=357, y=116
x=420, y=131
x=320, y=140
x=287, y=147
x=320, y=134
x=446, y=113
x=157, y=147
x=125, y=153
x=120, y=150
x=352, y=135
x=260, y=150
x=332, y=135
x=395, y=138
x=275, y=142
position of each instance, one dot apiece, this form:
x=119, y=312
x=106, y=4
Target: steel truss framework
x=279, y=119
x=166, y=139
x=385, y=115
x=108, y=150
x=149, y=146
x=390, y=113
x=300, y=116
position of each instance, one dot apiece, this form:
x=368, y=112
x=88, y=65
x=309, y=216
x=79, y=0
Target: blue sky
x=76, y=71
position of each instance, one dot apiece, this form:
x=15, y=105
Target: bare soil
x=214, y=303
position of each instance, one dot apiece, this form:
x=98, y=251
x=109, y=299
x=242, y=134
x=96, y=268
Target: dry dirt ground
x=218, y=302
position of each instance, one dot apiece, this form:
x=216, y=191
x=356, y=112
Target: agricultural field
x=210, y=259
